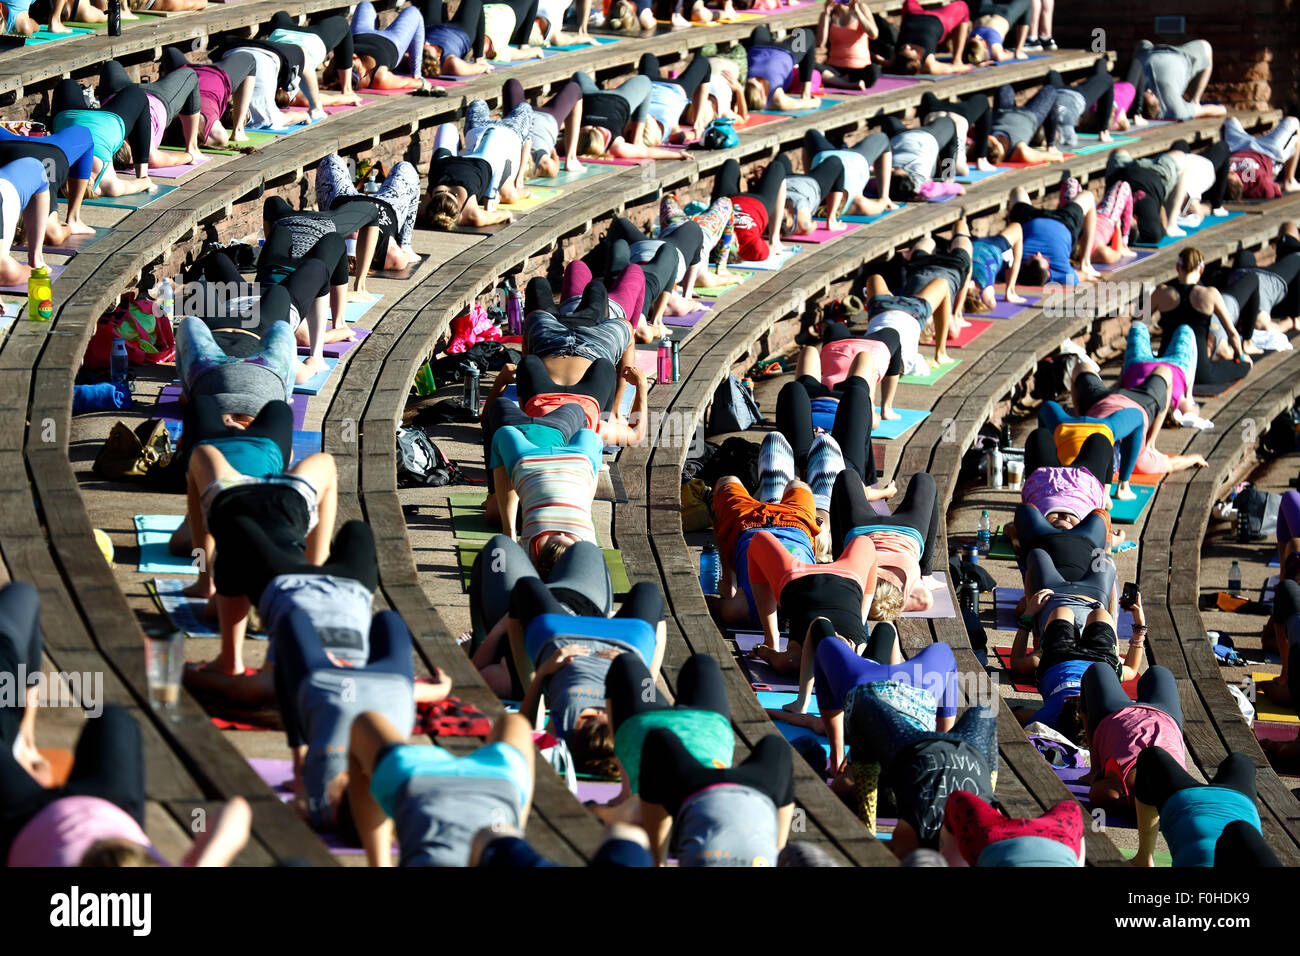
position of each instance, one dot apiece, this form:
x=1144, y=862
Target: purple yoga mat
x=278, y=775
x=760, y=673
x=689, y=319
x=943, y=606
x=1008, y=310
x=886, y=84
x=173, y=172
x=169, y=407
x=1141, y=254
x=337, y=349
x=344, y=107
x=598, y=791
x=1070, y=777
x=56, y=270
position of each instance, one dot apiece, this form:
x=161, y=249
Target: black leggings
x=852, y=428
x=872, y=146
x=1242, y=847
x=1096, y=455
x=468, y=20
x=687, y=238
x=919, y=509
x=837, y=331
x=276, y=259
x=1072, y=550
x=130, y=103
x=178, y=92
x=525, y=14
x=1160, y=776
x=727, y=183
x=299, y=653
x=558, y=107
x=334, y=31
x=598, y=382
x=1097, y=90
x=1103, y=694
x=670, y=774
x=975, y=107
x=697, y=71
x=202, y=422
x=1152, y=395
x=531, y=597
x=801, y=43
x=943, y=129
x=1286, y=267
x=108, y=763
x=700, y=686
x=20, y=648
x=579, y=579
x=568, y=420
x=304, y=286
x=262, y=557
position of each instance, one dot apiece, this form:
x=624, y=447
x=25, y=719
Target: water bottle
x=515, y=312
x=469, y=397
x=968, y=596
x=1234, y=580
x=994, y=463
x=115, y=18
x=973, y=554
x=167, y=298
x=710, y=572
x=664, y=362
x=119, y=363
x=677, y=359
x=40, y=295
x=984, y=538
x=1004, y=439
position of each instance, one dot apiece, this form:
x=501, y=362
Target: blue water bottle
x=119, y=363
x=710, y=572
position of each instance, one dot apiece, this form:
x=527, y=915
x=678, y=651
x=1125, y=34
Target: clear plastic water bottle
x=710, y=571
x=119, y=363
x=1234, y=580
x=167, y=298
x=984, y=537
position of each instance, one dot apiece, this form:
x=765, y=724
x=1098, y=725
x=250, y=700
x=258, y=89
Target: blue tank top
x=1192, y=821
x=773, y=64
x=987, y=259
x=823, y=412
x=452, y=41
x=1059, y=683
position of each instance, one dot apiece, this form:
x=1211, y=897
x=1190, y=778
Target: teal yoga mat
x=821, y=105
x=975, y=175
x=584, y=46
x=314, y=384
x=1209, y=222
x=908, y=418
x=564, y=178
x=152, y=533
x=866, y=220
x=1089, y=143
x=1127, y=512
x=138, y=201
x=356, y=310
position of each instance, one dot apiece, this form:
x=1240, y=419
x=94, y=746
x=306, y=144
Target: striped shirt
x=556, y=485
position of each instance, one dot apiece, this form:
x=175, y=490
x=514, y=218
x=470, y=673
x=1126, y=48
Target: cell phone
x=1129, y=596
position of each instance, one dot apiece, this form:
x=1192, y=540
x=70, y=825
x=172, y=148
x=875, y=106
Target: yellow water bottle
x=40, y=295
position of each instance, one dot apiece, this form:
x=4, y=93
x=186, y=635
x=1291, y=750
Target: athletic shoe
x=1032, y=45
x=1048, y=45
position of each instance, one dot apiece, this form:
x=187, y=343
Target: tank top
x=498, y=25
x=1185, y=314
x=850, y=47
x=923, y=30
x=451, y=40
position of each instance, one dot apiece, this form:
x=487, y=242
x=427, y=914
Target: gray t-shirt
x=917, y=152
x=545, y=133
x=1272, y=287
x=328, y=702
x=1079, y=606
x=580, y=683
x=727, y=825
x=339, y=609
x=1168, y=71
x=1017, y=125
x=804, y=194
x=436, y=817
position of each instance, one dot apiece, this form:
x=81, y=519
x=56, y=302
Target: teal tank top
x=706, y=734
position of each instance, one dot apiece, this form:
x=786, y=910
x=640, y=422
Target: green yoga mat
x=469, y=521
x=718, y=293
x=1089, y=143
x=933, y=376
x=467, y=550
x=564, y=178
x=1127, y=512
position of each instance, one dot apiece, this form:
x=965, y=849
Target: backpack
x=736, y=456
x=1256, y=513
x=148, y=336
x=720, y=134
x=734, y=409
x=420, y=464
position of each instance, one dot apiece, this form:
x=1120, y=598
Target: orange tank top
x=850, y=47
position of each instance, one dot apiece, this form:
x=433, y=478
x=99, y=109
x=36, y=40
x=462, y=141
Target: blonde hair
x=431, y=63
x=977, y=50
x=886, y=602
x=444, y=211
x=652, y=134
x=755, y=98
x=975, y=299
x=590, y=142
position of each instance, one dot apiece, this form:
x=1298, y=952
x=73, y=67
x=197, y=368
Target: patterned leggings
x=715, y=222
x=1181, y=352
x=1114, y=216
x=401, y=190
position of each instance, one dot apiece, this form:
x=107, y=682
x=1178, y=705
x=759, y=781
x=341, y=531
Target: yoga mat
x=1004, y=658
x=1265, y=709
x=618, y=162
x=314, y=384
x=1209, y=222
x=152, y=533
x=56, y=270
x=821, y=234
x=1009, y=310
x=278, y=775
x=353, y=311
x=371, y=92
x=1006, y=599
x=404, y=273
x=966, y=336
x=690, y=318
x=710, y=293
x=598, y=791
x=908, y=419
x=1089, y=143
x=288, y=129
x=933, y=376
x=43, y=35
x=467, y=550
x=469, y=522
x=823, y=104
x=539, y=195
x=169, y=406
x=867, y=220
x=1015, y=165
x=1268, y=730
x=138, y=201
x=186, y=614
x=142, y=16
x=1127, y=512
x=774, y=262
x=775, y=700
x=73, y=244
x=1123, y=263
x=174, y=172
x=761, y=676
x=337, y=349
x=344, y=107
x=564, y=177
x=255, y=139
x=885, y=84
x=975, y=175
x=567, y=47
x=307, y=443
x=942, y=606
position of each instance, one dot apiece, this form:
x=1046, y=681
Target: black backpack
x=420, y=464
x=736, y=456
x=734, y=409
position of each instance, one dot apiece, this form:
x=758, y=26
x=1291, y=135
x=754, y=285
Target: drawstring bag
x=720, y=134
x=148, y=336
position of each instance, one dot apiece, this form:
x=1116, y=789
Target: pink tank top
x=60, y=834
x=157, y=123
x=1117, y=740
x=838, y=356
x=850, y=47
x=214, y=94
x=1135, y=373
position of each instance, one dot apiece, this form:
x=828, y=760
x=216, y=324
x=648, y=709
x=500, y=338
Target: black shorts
x=1062, y=642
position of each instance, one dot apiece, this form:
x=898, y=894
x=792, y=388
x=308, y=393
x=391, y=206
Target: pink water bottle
x=664, y=358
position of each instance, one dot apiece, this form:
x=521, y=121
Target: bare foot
x=573, y=166
x=340, y=334
x=889, y=415
x=1123, y=494
x=78, y=228
x=836, y=226
x=359, y=295
x=943, y=358
x=307, y=368
x=199, y=589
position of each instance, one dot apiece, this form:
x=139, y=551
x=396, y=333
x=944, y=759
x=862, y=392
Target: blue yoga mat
x=867, y=220
x=1127, y=512
x=354, y=311
x=152, y=533
x=307, y=443
x=584, y=46
x=1209, y=222
x=821, y=105
x=975, y=175
x=908, y=419
x=314, y=384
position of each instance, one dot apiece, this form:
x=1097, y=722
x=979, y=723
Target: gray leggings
x=635, y=90
x=1097, y=585
x=579, y=580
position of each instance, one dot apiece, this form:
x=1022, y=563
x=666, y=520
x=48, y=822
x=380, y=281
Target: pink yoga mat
x=974, y=330
x=443, y=81
x=343, y=108
x=885, y=84
x=370, y=92
x=169, y=406
x=821, y=233
x=176, y=172
x=617, y=162
x=337, y=349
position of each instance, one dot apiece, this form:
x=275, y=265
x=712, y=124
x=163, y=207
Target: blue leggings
x=1128, y=425
x=71, y=152
x=1181, y=351
x=406, y=32
x=511, y=852
x=838, y=670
